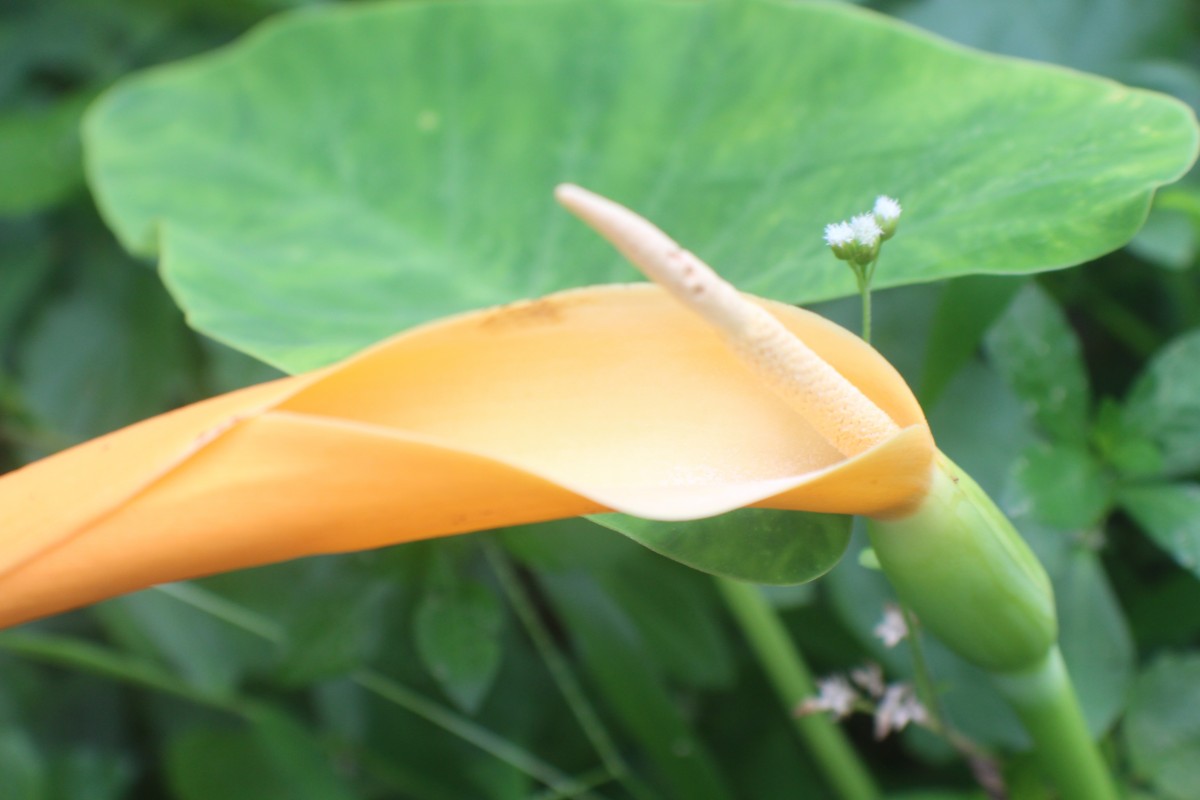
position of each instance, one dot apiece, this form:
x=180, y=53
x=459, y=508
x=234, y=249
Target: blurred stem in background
x=789, y=674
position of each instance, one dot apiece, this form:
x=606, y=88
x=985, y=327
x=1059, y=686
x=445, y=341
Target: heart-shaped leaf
x=344, y=173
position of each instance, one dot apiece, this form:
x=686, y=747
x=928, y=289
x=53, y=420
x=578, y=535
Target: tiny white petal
x=866, y=230
x=869, y=678
x=892, y=629
x=886, y=208
x=897, y=709
x=834, y=694
x=838, y=234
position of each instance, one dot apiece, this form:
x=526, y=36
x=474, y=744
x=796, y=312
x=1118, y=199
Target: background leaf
x=277, y=200
x=750, y=544
x=458, y=626
x=1038, y=354
x=1164, y=405
x=1162, y=729
x=1170, y=514
x=274, y=756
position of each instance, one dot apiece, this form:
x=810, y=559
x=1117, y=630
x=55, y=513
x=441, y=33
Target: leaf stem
x=560, y=670
x=469, y=731
x=266, y=628
x=792, y=679
x=864, y=276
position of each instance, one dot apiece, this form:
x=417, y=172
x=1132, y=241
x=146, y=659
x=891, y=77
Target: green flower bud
x=958, y=563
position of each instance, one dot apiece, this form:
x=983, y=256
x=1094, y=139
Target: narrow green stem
x=793, y=682
x=1045, y=700
x=467, y=730
x=265, y=628
x=85, y=656
x=865, y=291
x=922, y=675
x=1125, y=326
x=560, y=670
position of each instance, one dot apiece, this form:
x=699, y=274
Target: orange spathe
x=606, y=398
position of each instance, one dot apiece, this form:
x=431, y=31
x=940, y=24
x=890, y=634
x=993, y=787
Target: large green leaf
x=348, y=172
x=750, y=544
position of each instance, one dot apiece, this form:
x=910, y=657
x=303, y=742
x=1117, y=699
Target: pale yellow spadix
x=834, y=406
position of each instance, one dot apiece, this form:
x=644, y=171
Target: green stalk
x=865, y=292
x=957, y=562
x=561, y=673
x=793, y=682
x=469, y=731
x=1046, y=703
x=265, y=628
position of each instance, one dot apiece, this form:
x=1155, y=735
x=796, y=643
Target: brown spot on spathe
x=525, y=313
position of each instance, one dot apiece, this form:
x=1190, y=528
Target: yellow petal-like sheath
x=607, y=398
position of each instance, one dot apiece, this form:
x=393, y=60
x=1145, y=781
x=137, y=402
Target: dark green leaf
x=333, y=622
x=458, y=626
x=304, y=208
x=966, y=309
x=567, y=544
x=1164, y=404
x=750, y=544
x=86, y=774
x=1170, y=514
x=40, y=160
x=109, y=353
x=1038, y=353
x=1120, y=446
x=676, y=617
x=1065, y=486
x=610, y=648
x=1096, y=36
x=1162, y=728
x=24, y=265
x=1168, y=239
x=1094, y=637
x=273, y=756
x=206, y=652
x=22, y=769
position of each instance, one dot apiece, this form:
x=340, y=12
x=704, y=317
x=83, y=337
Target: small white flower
x=866, y=230
x=834, y=694
x=898, y=707
x=892, y=628
x=838, y=234
x=886, y=209
x=869, y=678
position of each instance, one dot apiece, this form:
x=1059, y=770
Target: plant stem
x=785, y=667
x=560, y=670
x=467, y=730
x=1045, y=700
x=265, y=628
x=865, y=291
x=922, y=675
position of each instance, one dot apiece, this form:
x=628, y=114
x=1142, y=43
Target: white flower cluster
x=858, y=240
x=892, y=629
x=894, y=705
